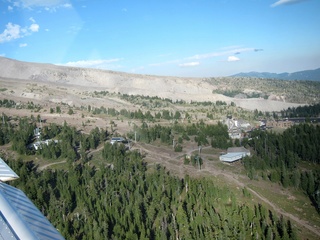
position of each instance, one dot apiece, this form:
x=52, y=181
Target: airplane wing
x=19, y=217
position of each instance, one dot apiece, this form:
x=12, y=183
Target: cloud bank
x=286, y=2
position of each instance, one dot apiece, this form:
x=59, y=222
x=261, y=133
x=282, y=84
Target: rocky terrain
x=52, y=83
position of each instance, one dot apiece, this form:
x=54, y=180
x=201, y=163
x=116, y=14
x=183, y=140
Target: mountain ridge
x=308, y=75
x=18, y=77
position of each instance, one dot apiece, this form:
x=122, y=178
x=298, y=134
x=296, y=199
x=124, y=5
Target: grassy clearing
x=293, y=202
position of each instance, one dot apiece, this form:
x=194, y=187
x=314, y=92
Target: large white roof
x=231, y=157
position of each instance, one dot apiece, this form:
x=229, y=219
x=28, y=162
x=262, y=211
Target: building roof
x=232, y=157
x=19, y=217
x=234, y=154
x=118, y=139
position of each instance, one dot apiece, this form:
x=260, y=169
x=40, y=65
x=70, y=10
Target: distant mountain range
x=311, y=75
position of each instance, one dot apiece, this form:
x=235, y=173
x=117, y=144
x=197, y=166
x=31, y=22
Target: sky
x=187, y=38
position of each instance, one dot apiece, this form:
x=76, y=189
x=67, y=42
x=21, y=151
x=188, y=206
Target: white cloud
x=227, y=51
x=10, y=8
x=2, y=54
x=34, y=27
x=99, y=63
x=23, y=45
x=233, y=59
x=286, y=2
x=49, y=5
x=32, y=19
x=221, y=53
x=11, y=32
x=67, y=5
x=15, y=31
x=189, y=64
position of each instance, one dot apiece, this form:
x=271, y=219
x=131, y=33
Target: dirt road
x=50, y=164
x=174, y=163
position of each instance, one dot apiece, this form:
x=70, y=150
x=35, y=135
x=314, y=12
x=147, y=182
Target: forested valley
x=123, y=198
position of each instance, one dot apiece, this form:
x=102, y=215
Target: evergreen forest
x=278, y=157
x=123, y=198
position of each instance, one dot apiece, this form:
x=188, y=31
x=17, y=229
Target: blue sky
x=196, y=38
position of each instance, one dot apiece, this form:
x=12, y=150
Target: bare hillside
x=17, y=74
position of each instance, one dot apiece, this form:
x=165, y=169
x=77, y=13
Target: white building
x=37, y=145
x=234, y=154
x=117, y=140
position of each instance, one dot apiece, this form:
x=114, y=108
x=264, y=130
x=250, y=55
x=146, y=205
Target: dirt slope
x=75, y=80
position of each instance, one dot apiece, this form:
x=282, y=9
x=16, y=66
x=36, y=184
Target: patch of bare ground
x=79, y=93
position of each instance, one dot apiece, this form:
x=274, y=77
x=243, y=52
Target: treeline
x=156, y=101
x=146, y=101
x=302, y=111
x=122, y=199
x=204, y=134
x=73, y=145
x=209, y=103
x=233, y=93
x=7, y=103
x=278, y=157
x=138, y=114
x=131, y=98
x=70, y=143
